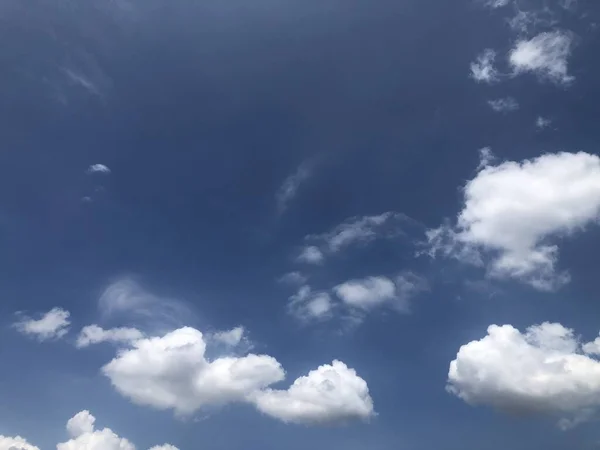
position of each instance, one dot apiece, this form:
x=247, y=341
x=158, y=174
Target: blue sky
x=319, y=224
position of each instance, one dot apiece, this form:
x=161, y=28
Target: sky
x=299, y=224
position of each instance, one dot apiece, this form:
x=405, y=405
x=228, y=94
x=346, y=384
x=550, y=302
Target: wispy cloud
x=288, y=190
x=52, y=325
x=542, y=122
x=483, y=70
x=98, y=168
x=311, y=255
x=307, y=305
x=504, y=105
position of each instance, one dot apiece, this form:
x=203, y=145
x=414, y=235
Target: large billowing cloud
x=543, y=370
x=15, y=443
x=172, y=372
x=330, y=394
x=514, y=214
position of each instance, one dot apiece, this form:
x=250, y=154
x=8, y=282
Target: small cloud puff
x=52, y=325
x=98, y=168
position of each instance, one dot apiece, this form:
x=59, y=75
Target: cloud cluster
x=84, y=436
x=172, y=372
x=544, y=370
x=515, y=212
x=52, y=325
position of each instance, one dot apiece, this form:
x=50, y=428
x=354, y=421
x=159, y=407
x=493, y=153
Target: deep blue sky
x=201, y=110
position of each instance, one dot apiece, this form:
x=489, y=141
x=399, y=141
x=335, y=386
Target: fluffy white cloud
x=504, y=105
x=94, y=334
x=330, y=394
x=311, y=255
x=307, y=305
x=545, y=55
x=164, y=447
x=376, y=291
x=172, y=372
x=513, y=211
x=52, y=325
x=543, y=370
x=231, y=337
x=483, y=70
x=98, y=168
x=290, y=186
x=15, y=443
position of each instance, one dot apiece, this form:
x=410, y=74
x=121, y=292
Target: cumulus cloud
x=94, y=334
x=545, y=55
x=290, y=186
x=544, y=370
x=15, y=443
x=98, y=168
x=514, y=213
x=307, y=305
x=52, y=325
x=311, y=255
x=84, y=436
x=172, y=372
x=376, y=291
x=504, y=105
x=483, y=70
x=330, y=394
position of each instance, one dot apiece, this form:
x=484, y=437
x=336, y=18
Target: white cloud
x=307, y=305
x=486, y=157
x=52, y=325
x=172, y=372
x=376, y=291
x=83, y=437
x=483, y=70
x=361, y=230
x=15, y=443
x=311, y=255
x=495, y=3
x=290, y=186
x=514, y=212
x=230, y=338
x=330, y=394
x=543, y=370
x=127, y=297
x=94, y=334
x=294, y=278
x=98, y=168
x=542, y=122
x=544, y=55
x=505, y=105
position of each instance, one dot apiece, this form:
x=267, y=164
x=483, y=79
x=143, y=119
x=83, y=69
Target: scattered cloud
x=290, y=186
x=504, y=105
x=376, y=291
x=52, y=325
x=545, y=55
x=544, y=370
x=495, y=3
x=94, y=334
x=542, y=122
x=483, y=70
x=98, y=168
x=513, y=211
x=311, y=255
x=293, y=278
x=331, y=394
x=486, y=157
x=309, y=306
x=230, y=338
